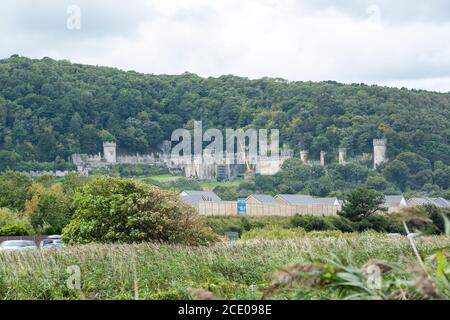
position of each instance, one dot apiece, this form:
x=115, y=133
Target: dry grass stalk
x=383, y=266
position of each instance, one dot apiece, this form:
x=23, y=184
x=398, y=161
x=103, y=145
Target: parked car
x=51, y=243
x=56, y=236
x=17, y=245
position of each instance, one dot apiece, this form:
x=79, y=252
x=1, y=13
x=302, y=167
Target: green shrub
x=310, y=223
x=385, y=223
x=8, y=216
x=17, y=229
x=436, y=216
x=341, y=223
x=330, y=233
x=123, y=210
x=52, y=211
x=14, y=190
x=379, y=223
x=222, y=224
x=273, y=233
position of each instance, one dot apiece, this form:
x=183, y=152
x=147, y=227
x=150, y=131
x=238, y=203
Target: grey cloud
x=392, y=11
x=294, y=39
x=99, y=18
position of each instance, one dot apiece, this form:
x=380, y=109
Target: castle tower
x=379, y=152
x=109, y=152
x=342, y=155
x=322, y=158
x=304, y=156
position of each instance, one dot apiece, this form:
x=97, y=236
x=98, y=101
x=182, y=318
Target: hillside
x=50, y=109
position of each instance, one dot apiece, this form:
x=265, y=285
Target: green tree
x=378, y=183
x=123, y=210
x=8, y=160
x=361, y=204
x=49, y=208
x=414, y=162
x=442, y=177
x=14, y=190
x=397, y=172
x=8, y=216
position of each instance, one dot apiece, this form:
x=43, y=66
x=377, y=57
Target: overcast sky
x=387, y=42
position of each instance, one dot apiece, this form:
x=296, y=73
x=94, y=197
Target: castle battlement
x=379, y=142
x=207, y=166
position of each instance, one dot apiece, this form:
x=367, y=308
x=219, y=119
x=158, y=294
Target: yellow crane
x=248, y=171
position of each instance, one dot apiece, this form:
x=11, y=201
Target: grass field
x=231, y=270
x=210, y=185
x=164, y=178
x=206, y=185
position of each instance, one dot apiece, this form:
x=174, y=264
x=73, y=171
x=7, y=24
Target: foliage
x=379, y=223
x=8, y=216
x=310, y=223
x=16, y=229
x=122, y=210
x=49, y=208
x=436, y=216
x=279, y=233
x=129, y=170
x=14, y=190
x=240, y=224
x=273, y=233
x=237, y=270
x=362, y=203
x=51, y=109
x=176, y=185
x=227, y=193
x=375, y=280
x=340, y=223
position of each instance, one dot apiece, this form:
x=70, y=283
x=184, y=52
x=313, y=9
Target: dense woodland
x=51, y=109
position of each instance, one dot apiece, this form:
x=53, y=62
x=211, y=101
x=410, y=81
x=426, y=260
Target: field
x=210, y=185
x=230, y=270
x=162, y=178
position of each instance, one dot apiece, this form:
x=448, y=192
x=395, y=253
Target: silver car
x=17, y=245
x=51, y=243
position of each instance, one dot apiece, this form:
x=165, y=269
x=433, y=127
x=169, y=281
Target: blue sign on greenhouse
x=241, y=206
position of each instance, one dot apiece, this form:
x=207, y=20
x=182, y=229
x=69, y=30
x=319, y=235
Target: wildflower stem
x=413, y=245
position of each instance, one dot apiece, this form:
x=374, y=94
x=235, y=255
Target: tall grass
x=237, y=270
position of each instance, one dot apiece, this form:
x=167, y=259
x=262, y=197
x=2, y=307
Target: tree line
x=51, y=109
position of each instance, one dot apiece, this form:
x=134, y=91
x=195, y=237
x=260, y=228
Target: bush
x=310, y=223
x=384, y=223
x=131, y=170
x=273, y=233
x=14, y=190
x=222, y=224
x=341, y=223
x=49, y=209
x=363, y=225
x=123, y=210
x=12, y=223
x=8, y=216
x=436, y=216
x=15, y=230
x=330, y=233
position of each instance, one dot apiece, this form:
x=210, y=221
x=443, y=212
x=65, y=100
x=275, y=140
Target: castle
x=202, y=170
x=211, y=170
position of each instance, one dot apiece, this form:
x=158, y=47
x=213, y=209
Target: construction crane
x=248, y=171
